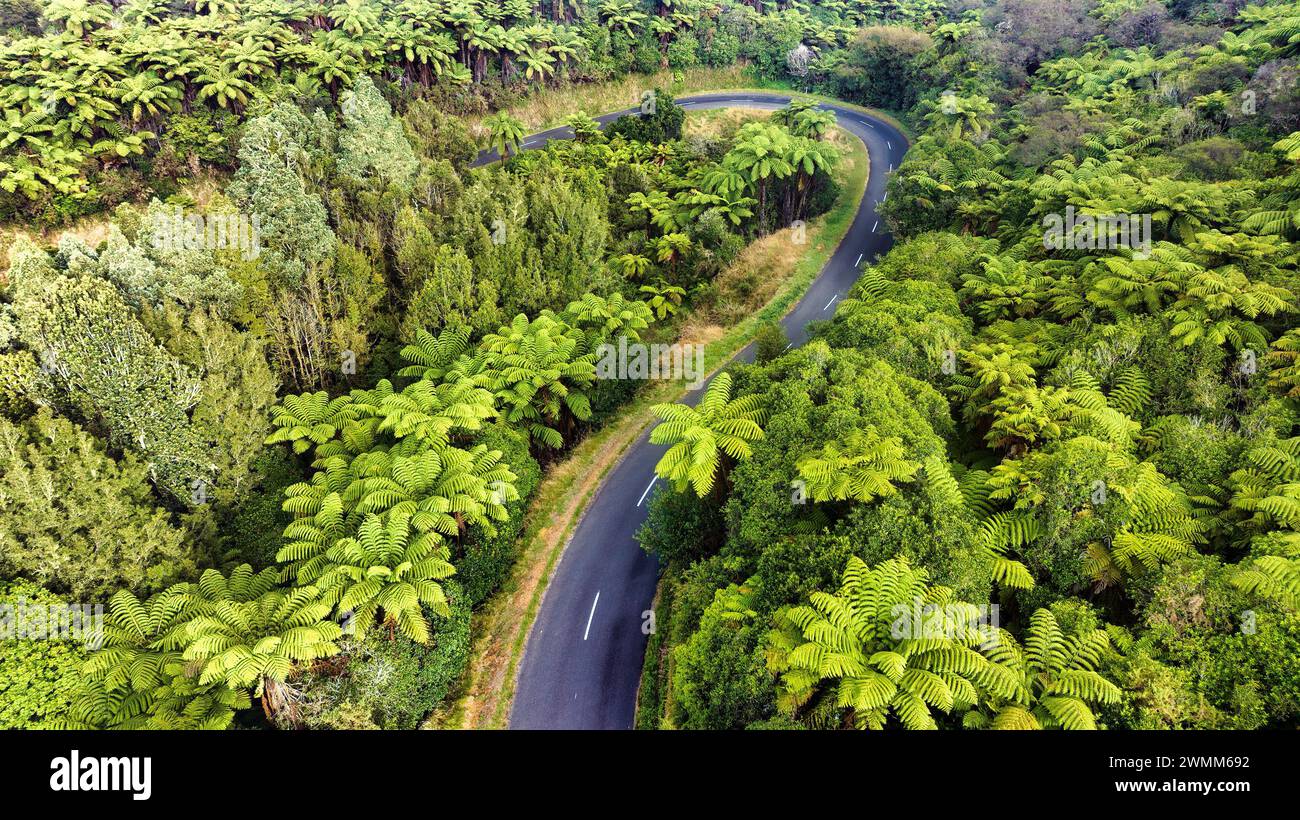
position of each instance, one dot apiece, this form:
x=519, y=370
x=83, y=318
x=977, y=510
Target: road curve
x=582, y=663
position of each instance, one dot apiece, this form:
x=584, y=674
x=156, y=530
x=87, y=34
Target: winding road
x=582, y=663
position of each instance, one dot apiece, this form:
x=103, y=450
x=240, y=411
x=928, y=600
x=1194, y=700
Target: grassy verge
x=503, y=624
x=656, y=669
x=549, y=107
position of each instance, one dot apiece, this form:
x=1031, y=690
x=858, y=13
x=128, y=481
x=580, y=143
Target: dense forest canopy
x=107, y=102
x=282, y=364
x=1068, y=459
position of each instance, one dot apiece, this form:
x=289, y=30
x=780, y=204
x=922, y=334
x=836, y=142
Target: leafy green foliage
x=539, y=372
x=849, y=658
x=864, y=468
x=101, y=362
x=699, y=437
x=662, y=124
x=1091, y=434
x=389, y=684
x=38, y=677
x=192, y=655
x=77, y=521
x=385, y=567
x=1059, y=677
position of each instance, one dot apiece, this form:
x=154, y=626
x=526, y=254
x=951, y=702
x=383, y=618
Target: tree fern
x=1003, y=533
x=386, y=568
x=539, y=372
x=138, y=679
x=1284, y=357
x=433, y=357
x=1059, y=682
x=1266, y=491
x=311, y=418
x=865, y=467
x=698, y=437
x=888, y=647
x=194, y=654
x=1274, y=577
x=1130, y=393
x=1157, y=527
x=603, y=318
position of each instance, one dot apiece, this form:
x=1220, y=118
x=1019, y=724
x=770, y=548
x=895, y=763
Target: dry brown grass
x=763, y=267
x=552, y=106
x=755, y=277
x=720, y=122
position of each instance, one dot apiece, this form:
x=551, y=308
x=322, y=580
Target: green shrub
x=769, y=342
x=486, y=558
x=664, y=125
x=683, y=51
x=253, y=531
x=37, y=677
x=720, y=680
x=391, y=684
x=681, y=527
x=75, y=519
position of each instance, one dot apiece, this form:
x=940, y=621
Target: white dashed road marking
x=592, y=615
x=647, y=490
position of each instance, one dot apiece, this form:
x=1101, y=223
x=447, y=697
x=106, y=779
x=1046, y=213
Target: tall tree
x=505, y=134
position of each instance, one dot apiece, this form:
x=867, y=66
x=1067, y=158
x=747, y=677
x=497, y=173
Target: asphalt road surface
x=582, y=662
